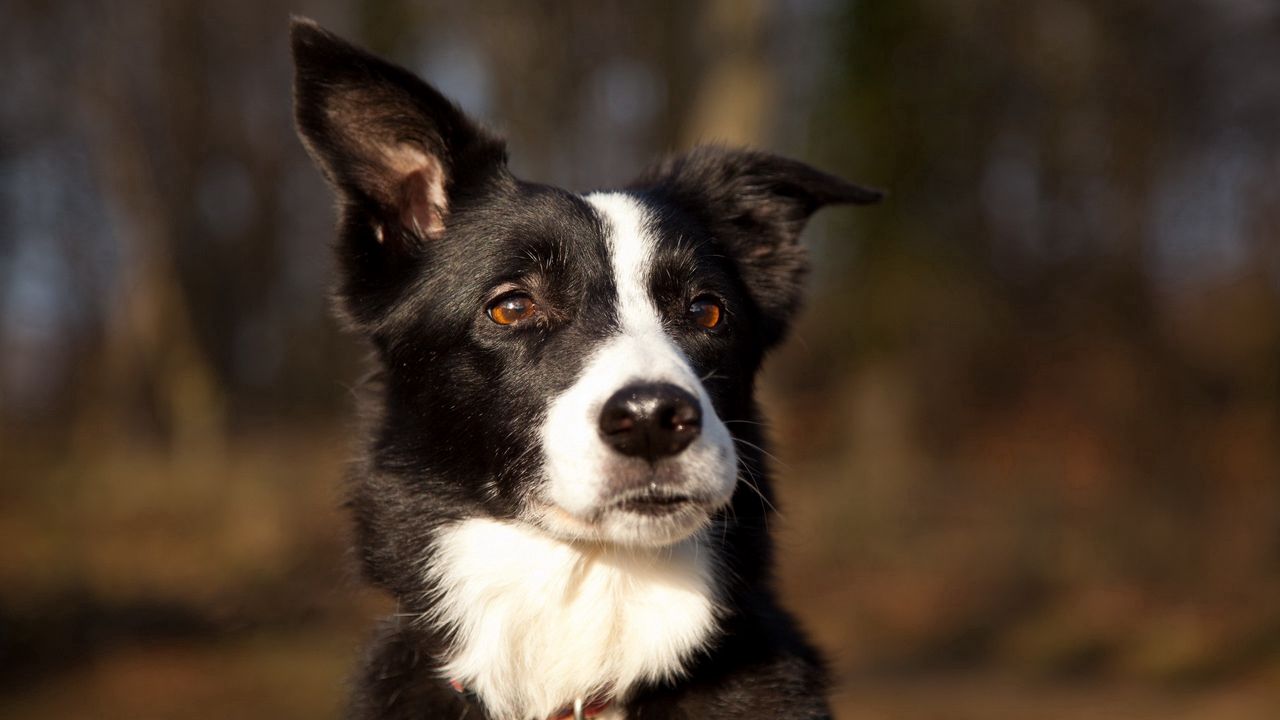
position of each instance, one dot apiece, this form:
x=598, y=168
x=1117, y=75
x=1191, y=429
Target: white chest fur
x=538, y=622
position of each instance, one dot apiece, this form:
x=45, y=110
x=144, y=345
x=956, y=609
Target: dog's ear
x=387, y=141
x=755, y=205
x=399, y=155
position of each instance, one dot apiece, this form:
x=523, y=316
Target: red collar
x=591, y=708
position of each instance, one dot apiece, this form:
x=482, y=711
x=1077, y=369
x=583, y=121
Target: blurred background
x=1027, y=433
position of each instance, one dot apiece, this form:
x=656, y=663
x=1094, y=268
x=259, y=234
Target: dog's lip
x=655, y=503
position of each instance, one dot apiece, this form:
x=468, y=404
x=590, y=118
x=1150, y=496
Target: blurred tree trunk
x=150, y=354
x=734, y=94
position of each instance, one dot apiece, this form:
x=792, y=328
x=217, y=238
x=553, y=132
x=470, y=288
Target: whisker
x=766, y=453
x=752, y=482
x=352, y=390
x=724, y=533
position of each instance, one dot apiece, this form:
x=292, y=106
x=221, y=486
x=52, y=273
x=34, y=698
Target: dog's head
x=574, y=362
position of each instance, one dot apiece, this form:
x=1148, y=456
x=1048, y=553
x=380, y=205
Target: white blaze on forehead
x=578, y=463
x=631, y=250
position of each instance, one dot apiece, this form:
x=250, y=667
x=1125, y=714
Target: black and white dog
x=565, y=488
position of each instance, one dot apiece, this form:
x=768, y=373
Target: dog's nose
x=650, y=420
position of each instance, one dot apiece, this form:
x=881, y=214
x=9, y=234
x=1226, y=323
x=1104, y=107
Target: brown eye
x=512, y=309
x=706, y=312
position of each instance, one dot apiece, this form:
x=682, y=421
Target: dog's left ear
x=755, y=205
x=388, y=142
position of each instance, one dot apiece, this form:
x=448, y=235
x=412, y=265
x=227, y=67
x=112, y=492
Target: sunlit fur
x=518, y=547
x=580, y=468
x=610, y=600
x=537, y=621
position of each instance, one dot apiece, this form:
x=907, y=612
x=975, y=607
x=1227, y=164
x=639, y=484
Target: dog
x=565, y=486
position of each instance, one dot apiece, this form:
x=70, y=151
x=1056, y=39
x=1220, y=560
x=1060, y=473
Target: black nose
x=650, y=421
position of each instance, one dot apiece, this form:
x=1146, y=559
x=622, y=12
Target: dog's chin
x=636, y=520
x=652, y=522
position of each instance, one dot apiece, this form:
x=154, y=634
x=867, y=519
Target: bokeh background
x=1027, y=433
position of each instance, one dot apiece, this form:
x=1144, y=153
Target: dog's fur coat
x=538, y=554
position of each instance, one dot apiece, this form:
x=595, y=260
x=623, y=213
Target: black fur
x=459, y=396
x=756, y=204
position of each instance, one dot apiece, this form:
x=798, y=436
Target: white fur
x=578, y=463
x=585, y=598
x=539, y=621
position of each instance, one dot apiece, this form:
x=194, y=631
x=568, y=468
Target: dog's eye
x=513, y=308
x=706, y=312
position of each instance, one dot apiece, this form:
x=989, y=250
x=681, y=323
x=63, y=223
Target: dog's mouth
x=655, y=504
x=647, y=517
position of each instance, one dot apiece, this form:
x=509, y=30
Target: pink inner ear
x=423, y=205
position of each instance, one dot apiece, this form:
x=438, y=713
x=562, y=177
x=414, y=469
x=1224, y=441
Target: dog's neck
x=536, y=622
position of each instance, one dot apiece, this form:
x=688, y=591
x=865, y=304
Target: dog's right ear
x=755, y=205
x=385, y=139
x=397, y=152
